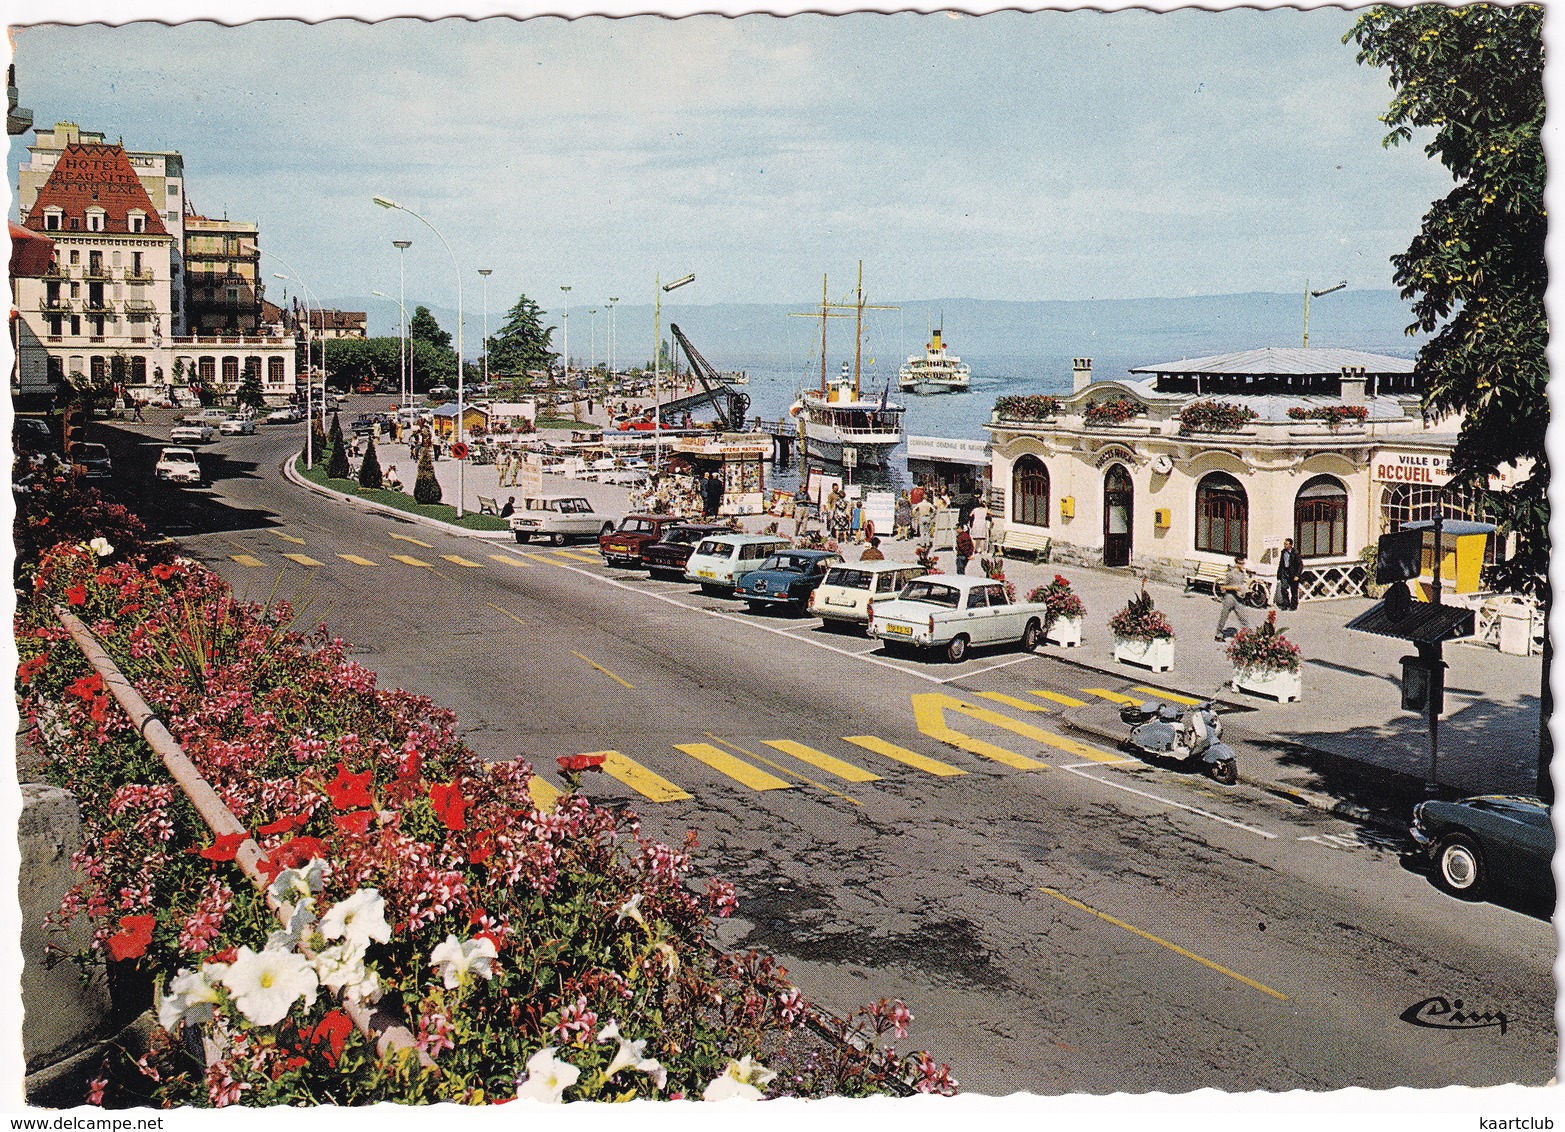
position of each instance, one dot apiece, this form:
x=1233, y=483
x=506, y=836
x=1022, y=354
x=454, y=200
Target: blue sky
x=1053, y=155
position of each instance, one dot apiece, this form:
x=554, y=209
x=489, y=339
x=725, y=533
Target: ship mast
x=858, y=332
x=823, y=334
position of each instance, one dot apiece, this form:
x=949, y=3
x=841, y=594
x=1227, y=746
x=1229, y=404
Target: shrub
x=1141, y=621
x=337, y=466
x=426, y=488
x=1063, y=603
x=1214, y=416
x=318, y=444
x=369, y=470
x=1027, y=407
x=1266, y=647
x=1117, y=411
x=1333, y=415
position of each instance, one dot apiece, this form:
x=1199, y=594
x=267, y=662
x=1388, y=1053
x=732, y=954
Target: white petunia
x=265, y=985
x=101, y=547
x=610, y=1032
x=547, y=1077
x=626, y=1057
x=301, y=918
x=190, y=996
x=670, y=958
x=341, y=967
x=630, y=909
x=294, y=884
x=654, y=1068
x=457, y=959
x=739, y=1081
x=360, y=918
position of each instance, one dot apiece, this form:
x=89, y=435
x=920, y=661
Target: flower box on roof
x=1111, y=411
x=1215, y=416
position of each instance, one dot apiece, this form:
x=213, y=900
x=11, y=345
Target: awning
x=1424, y=623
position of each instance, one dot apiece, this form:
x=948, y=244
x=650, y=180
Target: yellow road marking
x=301, y=559
x=356, y=560
x=414, y=541
x=246, y=559
x=1174, y=947
x=1011, y=701
x=540, y=558
x=737, y=769
x=935, y=702
x=601, y=669
x=507, y=560
x=458, y=560
x=929, y=710
x=290, y=538
x=903, y=755
x=408, y=561
x=643, y=781
x=577, y=556
x=545, y=793
x=507, y=612
x=1162, y=695
x=846, y=771
x=1112, y=697
x=784, y=769
x=1068, y=701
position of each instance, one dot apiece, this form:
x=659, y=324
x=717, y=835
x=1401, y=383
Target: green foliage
x=1027, y=407
x=1215, y=416
x=1476, y=272
x=378, y=361
x=1140, y=620
x=422, y=327
x=1266, y=647
x=522, y=343
x=250, y=392
x=426, y=488
x=1117, y=411
x=369, y=470
x=337, y=463
x=1333, y=415
x=317, y=437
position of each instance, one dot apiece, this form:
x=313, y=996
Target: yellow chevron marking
x=821, y=759
x=407, y=561
x=356, y=560
x=643, y=781
x=1056, y=697
x=246, y=559
x=1112, y=697
x=1162, y=695
x=540, y=558
x=1011, y=701
x=929, y=712
x=507, y=560
x=785, y=770
x=414, y=541
x=737, y=769
x=301, y=559
x=545, y=793
x=577, y=556
x=903, y=755
x=458, y=560
x=290, y=538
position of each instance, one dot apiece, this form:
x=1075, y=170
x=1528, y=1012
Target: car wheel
x=521, y=537
x=1459, y=867
x=956, y=649
x=1031, y=636
x=557, y=538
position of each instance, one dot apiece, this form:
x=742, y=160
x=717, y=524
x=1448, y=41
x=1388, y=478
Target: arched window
x=230, y=370
x=274, y=371
x=138, y=371
x=1320, y=518
x=1030, y=492
x=207, y=367
x=1222, y=515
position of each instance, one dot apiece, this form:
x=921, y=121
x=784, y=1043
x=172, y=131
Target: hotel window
x=230, y=370
x=1030, y=492
x=98, y=368
x=1320, y=518
x=274, y=371
x=207, y=368
x=1222, y=515
x=95, y=219
x=51, y=221
x=137, y=220
x=56, y=325
x=138, y=371
x=56, y=368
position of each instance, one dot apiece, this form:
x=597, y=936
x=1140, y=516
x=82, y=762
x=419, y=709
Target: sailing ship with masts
x=836, y=421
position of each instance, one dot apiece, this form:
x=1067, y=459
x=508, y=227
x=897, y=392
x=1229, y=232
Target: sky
x=1019, y=156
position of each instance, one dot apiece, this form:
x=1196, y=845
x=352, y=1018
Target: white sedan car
x=192, y=434
x=289, y=414
x=178, y=465
x=237, y=426
x=555, y=518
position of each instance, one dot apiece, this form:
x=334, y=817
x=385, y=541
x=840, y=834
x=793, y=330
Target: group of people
x=1290, y=568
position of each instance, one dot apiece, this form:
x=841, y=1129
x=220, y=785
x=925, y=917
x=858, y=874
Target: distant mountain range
x=994, y=336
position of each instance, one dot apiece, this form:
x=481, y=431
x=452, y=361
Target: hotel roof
x=94, y=175
x=1284, y=360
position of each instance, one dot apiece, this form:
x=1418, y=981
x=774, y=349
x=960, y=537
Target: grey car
x=1487, y=842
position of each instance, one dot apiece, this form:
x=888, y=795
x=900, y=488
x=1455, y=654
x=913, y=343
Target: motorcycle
x=1190, y=735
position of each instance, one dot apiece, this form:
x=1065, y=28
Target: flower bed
x=1118, y=411
x=1027, y=407
x=553, y=954
x=1214, y=416
x=1142, y=635
x=1333, y=415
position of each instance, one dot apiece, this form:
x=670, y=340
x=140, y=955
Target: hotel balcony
x=58, y=303
x=98, y=306
x=138, y=277
x=97, y=274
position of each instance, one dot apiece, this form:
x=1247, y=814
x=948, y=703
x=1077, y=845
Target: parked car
x=90, y=461
x=364, y=387
x=848, y=592
x=667, y=557
x=178, y=465
x=237, y=426
x=623, y=545
x=719, y=559
x=213, y=417
x=442, y=391
x=952, y=612
x=787, y=578
x=557, y=518
x=192, y=433
x=366, y=423
x=1488, y=842
x=288, y=414
x=29, y=435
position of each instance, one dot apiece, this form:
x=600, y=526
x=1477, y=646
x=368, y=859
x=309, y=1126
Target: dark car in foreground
x=1488, y=842
x=623, y=545
x=667, y=557
x=91, y=461
x=787, y=578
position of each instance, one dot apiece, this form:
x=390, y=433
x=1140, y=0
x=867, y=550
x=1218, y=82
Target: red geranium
x=225, y=848
x=291, y=854
x=581, y=762
x=354, y=823
x=131, y=941
x=349, y=791
x=87, y=686
x=333, y=1030
x=77, y=594
x=449, y=805
x=285, y=824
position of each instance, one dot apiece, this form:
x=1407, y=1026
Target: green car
x=1491, y=841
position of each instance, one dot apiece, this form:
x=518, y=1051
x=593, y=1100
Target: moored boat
x=934, y=371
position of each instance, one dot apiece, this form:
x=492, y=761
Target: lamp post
x=1316, y=294
x=461, y=465
x=612, y=342
x=405, y=375
x=309, y=383
x=658, y=288
x=486, y=272
x=592, y=353
x=565, y=371
x=402, y=365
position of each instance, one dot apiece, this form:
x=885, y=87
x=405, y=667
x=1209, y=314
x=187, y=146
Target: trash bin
x=1516, y=629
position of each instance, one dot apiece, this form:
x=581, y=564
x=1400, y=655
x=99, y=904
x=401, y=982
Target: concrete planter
x=1066, y=631
x=1275, y=683
x=1158, y=654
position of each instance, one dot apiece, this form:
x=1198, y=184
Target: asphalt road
x=1058, y=917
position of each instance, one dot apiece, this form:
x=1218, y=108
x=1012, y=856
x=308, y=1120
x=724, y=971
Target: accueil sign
x=1412, y=467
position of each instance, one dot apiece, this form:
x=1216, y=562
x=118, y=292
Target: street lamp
x=402, y=365
x=405, y=375
x=309, y=382
x=461, y=465
x=657, y=360
x=1317, y=294
x=566, y=369
x=592, y=353
x=612, y=337
x=486, y=272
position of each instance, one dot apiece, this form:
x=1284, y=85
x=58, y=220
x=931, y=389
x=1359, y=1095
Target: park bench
x=1015, y=544
x=487, y=506
x=1204, y=574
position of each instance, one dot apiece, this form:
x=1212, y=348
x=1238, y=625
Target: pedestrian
x=509, y=509
x=1290, y=566
x=916, y=496
x=391, y=481
x=136, y=408
x=872, y=551
x=1228, y=590
x=902, y=525
x=964, y=549
x=924, y=516
x=801, y=511
x=978, y=524
x=867, y=532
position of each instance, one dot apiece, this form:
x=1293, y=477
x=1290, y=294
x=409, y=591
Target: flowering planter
x=1064, y=631
x=1275, y=683
x=1156, y=654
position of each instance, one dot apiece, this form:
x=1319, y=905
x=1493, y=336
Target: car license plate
x=618, y=547
x=705, y=574
x=900, y=630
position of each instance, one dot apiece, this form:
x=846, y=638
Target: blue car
x=787, y=578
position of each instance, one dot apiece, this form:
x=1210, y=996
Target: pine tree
x=369, y=470
x=337, y=467
x=522, y=343
x=250, y=392
x=426, y=489
x=317, y=438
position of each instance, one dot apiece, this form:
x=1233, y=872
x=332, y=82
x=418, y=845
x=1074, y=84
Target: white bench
x=487, y=506
x=1015, y=543
x=1207, y=574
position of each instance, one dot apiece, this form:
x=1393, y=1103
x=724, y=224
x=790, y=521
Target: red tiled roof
x=101, y=175
x=31, y=253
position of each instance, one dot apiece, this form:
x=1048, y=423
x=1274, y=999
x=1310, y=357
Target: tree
x=337, y=463
x=1476, y=271
x=422, y=327
x=426, y=488
x=522, y=343
x=250, y=391
x=317, y=436
x=369, y=470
